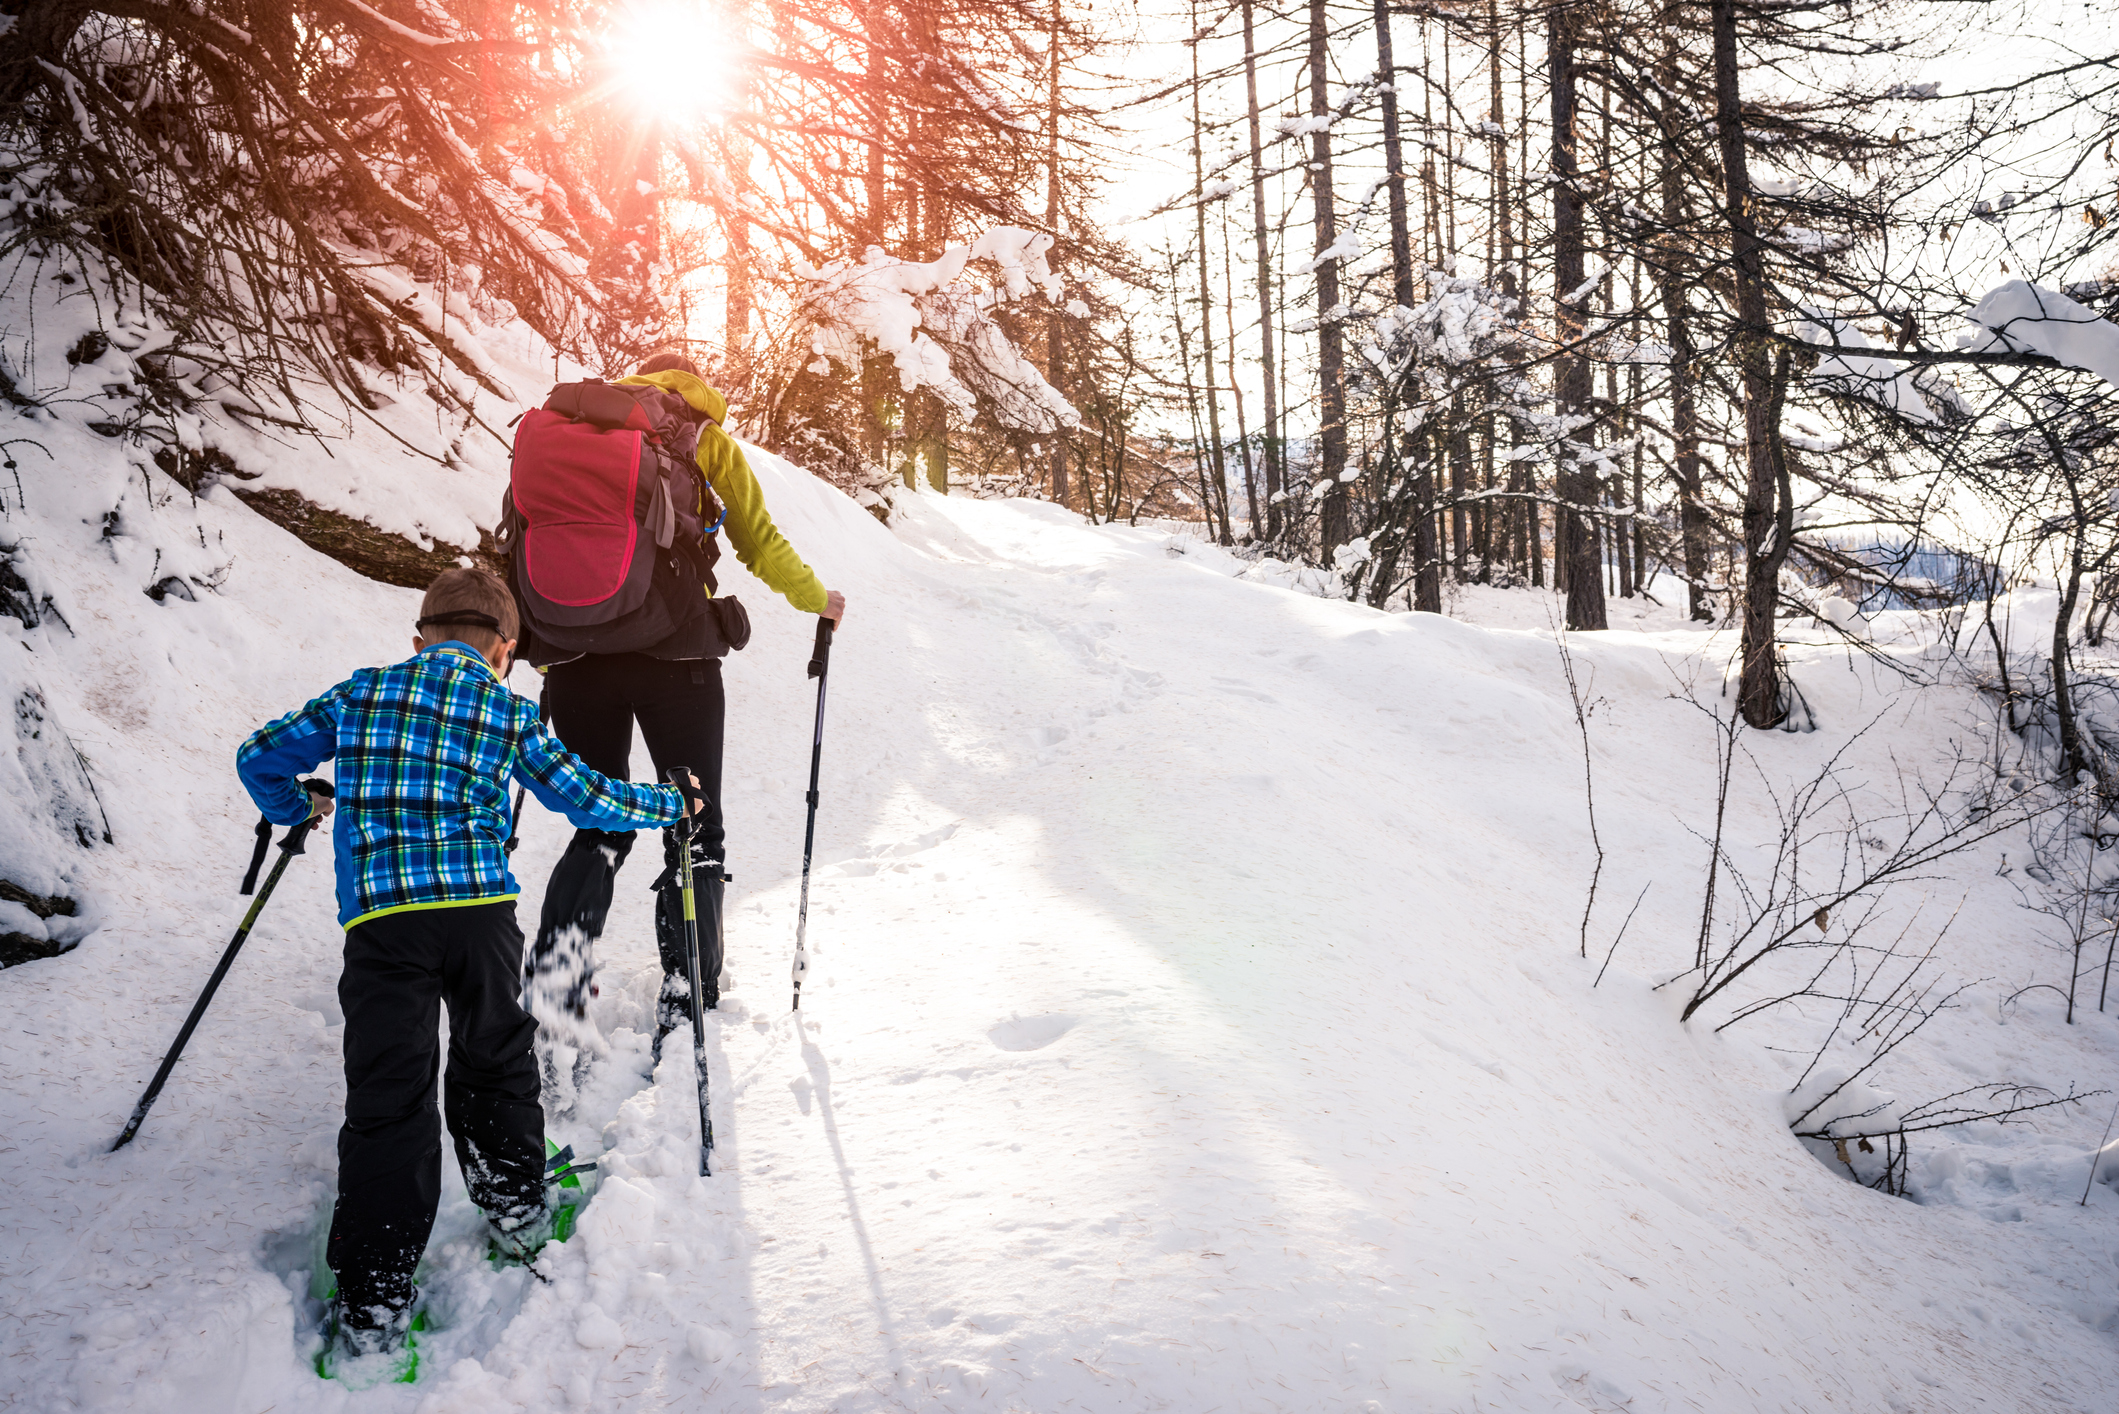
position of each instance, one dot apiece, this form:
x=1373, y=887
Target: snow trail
x=1195, y=1020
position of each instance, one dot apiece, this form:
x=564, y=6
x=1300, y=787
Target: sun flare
x=674, y=60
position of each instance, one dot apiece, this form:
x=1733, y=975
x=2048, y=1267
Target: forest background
x=1784, y=309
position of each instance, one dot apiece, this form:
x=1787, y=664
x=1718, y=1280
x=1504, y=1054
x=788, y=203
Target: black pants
x=400, y=969
x=594, y=701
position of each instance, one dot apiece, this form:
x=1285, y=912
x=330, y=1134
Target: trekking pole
x=819, y=667
x=289, y=847
x=688, y=785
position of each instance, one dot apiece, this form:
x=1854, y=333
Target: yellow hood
x=691, y=388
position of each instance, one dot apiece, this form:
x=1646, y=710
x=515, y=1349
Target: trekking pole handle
x=295, y=836
x=820, y=655
x=257, y=857
x=299, y=835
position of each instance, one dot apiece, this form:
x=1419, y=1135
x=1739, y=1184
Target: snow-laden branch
x=939, y=329
x=2016, y=323
x=1888, y=384
x=2020, y=317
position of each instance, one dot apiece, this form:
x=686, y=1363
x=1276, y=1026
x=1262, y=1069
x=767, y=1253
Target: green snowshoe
x=360, y=1359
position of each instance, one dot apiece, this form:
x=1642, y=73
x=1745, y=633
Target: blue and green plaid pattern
x=423, y=752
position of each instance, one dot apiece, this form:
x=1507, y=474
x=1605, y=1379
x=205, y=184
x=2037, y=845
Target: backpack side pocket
x=733, y=619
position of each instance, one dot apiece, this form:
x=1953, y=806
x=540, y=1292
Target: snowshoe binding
x=364, y=1356
x=520, y=1243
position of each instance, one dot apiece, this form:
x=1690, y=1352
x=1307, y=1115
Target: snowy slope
x=1197, y=1023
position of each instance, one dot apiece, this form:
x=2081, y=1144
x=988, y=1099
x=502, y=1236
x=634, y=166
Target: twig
x=2102, y=1144
x=1589, y=790
x=1622, y=932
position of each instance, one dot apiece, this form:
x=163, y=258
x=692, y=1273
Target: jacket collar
x=457, y=648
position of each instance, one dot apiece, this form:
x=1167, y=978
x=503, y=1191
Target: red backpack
x=609, y=528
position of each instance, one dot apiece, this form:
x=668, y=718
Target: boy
x=424, y=750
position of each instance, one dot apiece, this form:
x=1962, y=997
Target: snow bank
x=411, y=464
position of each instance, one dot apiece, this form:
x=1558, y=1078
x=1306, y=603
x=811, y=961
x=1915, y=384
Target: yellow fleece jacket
x=759, y=544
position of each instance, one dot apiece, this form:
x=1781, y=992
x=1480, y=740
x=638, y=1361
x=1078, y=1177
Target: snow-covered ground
x=1197, y=1020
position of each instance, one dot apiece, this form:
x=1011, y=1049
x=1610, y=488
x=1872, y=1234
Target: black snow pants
x=400, y=970
x=594, y=701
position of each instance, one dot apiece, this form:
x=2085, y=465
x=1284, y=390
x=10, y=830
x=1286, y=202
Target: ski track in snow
x=1195, y=1022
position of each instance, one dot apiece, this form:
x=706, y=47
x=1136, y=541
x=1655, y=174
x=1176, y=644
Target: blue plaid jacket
x=424, y=750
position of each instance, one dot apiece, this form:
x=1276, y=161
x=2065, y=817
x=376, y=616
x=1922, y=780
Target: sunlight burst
x=675, y=60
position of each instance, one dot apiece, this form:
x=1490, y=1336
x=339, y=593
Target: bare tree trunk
x=638, y=215
x=1634, y=534
x=934, y=446
x=1460, y=477
x=2073, y=758
x=1184, y=361
x=1459, y=530
x=1493, y=528
x=735, y=334
x=1055, y=323
x=1431, y=208
x=1621, y=536
x=1331, y=393
x=1507, y=534
x=878, y=127
x=1464, y=472
x=1504, y=214
x=1442, y=527
x=1427, y=554
x=1535, y=525
x=1448, y=212
x=877, y=387
x=1572, y=376
x=1759, y=691
x=1265, y=283
x=1290, y=519
x=1671, y=275
x=1533, y=513
x=1394, y=162
x=1427, y=574
x=1215, y=456
x=927, y=438
x=1618, y=536
x=735, y=224
x=1243, y=432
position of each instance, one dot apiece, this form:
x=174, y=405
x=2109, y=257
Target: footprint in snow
x=1030, y=1033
